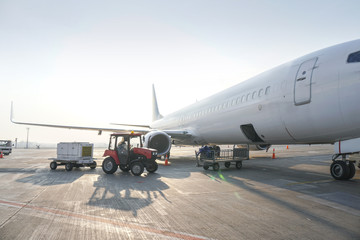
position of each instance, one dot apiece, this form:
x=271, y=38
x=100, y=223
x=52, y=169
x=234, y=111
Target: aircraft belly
x=227, y=130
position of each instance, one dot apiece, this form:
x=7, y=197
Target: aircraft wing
x=99, y=129
x=175, y=134
x=140, y=129
x=179, y=134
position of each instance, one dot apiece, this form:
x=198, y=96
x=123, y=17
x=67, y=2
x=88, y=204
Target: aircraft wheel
x=53, y=165
x=137, y=168
x=352, y=170
x=68, y=167
x=124, y=168
x=339, y=170
x=227, y=164
x=109, y=165
x=152, y=167
x=239, y=164
x=216, y=167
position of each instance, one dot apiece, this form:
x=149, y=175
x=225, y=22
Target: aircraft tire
x=137, y=168
x=68, y=167
x=216, y=167
x=53, y=165
x=339, y=170
x=239, y=164
x=352, y=170
x=109, y=165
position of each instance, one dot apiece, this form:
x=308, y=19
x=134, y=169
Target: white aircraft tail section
x=155, y=114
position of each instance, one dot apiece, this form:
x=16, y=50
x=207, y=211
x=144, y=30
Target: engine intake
x=158, y=140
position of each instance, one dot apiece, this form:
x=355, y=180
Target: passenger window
x=261, y=91
x=243, y=98
x=354, y=57
x=253, y=95
x=267, y=90
x=248, y=97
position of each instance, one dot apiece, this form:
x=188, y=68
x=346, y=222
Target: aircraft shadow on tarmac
x=262, y=180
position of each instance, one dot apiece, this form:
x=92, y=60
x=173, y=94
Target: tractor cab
x=126, y=151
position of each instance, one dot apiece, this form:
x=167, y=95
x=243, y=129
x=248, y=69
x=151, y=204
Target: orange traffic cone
x=287, y=146
x=166, y=160
x=273, y=156
x=1, y=155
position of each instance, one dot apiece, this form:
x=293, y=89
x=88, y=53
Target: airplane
x=313, y=99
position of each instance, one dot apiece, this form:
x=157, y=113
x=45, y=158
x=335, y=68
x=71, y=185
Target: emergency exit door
x=302, y=91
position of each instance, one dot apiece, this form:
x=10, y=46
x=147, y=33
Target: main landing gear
x=342, y=169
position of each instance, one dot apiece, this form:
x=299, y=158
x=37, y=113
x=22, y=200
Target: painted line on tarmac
x=166, y=233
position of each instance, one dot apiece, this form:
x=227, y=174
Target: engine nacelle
x=260, y=147
x=158, y=140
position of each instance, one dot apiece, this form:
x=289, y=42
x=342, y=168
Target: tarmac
x=290, y=197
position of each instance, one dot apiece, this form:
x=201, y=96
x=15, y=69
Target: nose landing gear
x=342, y=169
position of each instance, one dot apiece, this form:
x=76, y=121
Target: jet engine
x=260, y=147
x=158, y=140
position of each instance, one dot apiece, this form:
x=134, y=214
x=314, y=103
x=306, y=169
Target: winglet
x=155, y=114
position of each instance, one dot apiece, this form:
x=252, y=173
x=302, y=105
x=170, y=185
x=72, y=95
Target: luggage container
x=74, y=154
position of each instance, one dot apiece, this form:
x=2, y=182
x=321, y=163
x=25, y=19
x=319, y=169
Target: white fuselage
x=312, y=99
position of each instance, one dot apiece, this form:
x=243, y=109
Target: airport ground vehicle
x=212, y=157
x=5, y=147
x=126, y=151
x=74, y=154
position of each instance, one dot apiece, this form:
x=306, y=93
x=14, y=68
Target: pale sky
x=90, y=63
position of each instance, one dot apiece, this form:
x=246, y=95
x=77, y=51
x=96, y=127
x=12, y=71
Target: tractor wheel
x=137, y=168
x=109, y=165
x=151, y=168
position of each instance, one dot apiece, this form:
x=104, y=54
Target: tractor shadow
x=126, y=192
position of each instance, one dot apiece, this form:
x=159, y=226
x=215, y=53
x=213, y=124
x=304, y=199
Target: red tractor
x=126, y=151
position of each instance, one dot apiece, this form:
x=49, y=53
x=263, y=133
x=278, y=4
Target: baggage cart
x=74, y=154
x=208, y=157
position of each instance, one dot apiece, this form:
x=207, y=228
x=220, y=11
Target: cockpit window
x=354, y=57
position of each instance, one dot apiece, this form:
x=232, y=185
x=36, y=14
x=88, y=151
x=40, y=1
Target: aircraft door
x=302, y=89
